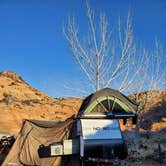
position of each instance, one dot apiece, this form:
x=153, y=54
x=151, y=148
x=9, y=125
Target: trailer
x=98, y=139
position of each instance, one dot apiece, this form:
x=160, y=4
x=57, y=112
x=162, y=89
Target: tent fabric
x=32, y=134
x=92, y=100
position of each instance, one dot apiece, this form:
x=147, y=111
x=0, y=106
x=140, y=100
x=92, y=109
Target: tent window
x=108, y=105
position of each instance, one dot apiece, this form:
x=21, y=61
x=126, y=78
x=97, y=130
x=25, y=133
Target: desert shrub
x=31, y=102
x=26, y=102
x=12, y=83
x=37, y=94
x=42, y=116
x=8, y=98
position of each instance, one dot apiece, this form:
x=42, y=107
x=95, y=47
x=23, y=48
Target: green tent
x=107, y=100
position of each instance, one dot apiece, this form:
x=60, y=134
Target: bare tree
x=110, y=55
x=150, y=73
x=103, y=55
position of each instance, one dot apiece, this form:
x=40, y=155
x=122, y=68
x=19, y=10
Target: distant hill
x=18, y=101
x=155, y=116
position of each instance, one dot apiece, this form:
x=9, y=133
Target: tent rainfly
x=107, y=100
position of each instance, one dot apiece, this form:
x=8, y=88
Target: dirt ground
x=147, y=150
x=146, y=163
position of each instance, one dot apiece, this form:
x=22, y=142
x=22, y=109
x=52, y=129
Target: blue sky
x=32, y=43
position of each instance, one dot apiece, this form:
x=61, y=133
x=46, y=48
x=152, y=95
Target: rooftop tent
x=107, y=100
